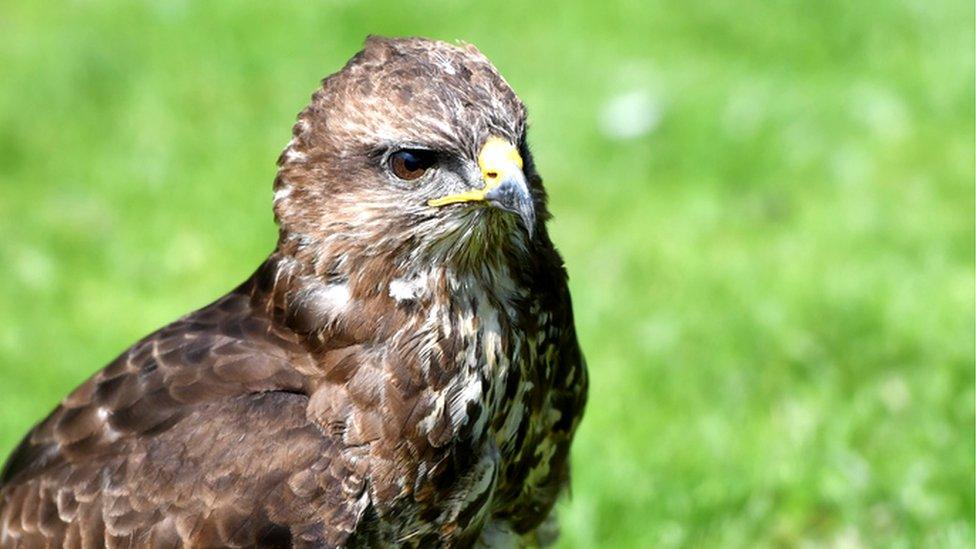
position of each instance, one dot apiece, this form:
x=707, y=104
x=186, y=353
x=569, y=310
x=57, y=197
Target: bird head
x=414, y=151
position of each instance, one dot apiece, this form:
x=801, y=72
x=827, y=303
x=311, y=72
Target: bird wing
x=196, y=436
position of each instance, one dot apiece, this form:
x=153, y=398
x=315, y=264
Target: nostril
x=491, y=175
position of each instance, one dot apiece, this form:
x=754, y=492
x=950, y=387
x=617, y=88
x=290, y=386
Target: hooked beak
x=505, y=185
x=512, y=195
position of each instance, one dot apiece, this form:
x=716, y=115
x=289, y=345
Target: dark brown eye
x=410, y=164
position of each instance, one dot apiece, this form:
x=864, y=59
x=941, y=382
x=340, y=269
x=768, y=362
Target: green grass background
x=774, y=285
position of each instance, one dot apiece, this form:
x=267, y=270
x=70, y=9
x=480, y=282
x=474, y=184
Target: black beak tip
x=527, y=217
x=513, y=196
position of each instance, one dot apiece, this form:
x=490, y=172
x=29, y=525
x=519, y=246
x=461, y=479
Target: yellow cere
x=496, y=159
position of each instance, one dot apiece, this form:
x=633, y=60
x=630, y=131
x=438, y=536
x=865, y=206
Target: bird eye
x=410, y=164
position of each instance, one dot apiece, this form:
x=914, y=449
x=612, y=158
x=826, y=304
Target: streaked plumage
x=395, y=373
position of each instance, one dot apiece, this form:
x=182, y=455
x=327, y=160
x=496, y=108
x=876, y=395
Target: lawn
x=766, y=208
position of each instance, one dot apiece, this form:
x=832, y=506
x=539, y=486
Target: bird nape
x=402, y=370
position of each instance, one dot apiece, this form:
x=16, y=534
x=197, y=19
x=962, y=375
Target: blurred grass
x=774, y=282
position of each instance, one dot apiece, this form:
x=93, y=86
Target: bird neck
x=370, y=299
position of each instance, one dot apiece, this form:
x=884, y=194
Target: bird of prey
x=402, y=370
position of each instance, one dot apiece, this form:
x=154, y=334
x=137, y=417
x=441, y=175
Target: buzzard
x=402, y=370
